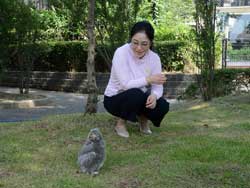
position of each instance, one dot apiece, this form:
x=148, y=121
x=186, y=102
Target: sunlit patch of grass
x=199, y=106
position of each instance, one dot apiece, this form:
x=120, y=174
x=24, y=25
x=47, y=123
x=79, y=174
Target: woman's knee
x=134, y=99
x=164, y=105
x=107, y=104
x=135, y=92
x=136, y=95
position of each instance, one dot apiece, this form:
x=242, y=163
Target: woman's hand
x=156, y=79
x=151, y=101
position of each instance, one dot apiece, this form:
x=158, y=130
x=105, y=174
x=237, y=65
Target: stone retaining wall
x=76, y=82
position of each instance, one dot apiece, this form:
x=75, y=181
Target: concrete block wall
x=177, y=84
x=76, y=82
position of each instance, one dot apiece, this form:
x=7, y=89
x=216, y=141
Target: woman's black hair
x=143, y=26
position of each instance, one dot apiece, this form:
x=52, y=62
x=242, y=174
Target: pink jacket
x=129, y=71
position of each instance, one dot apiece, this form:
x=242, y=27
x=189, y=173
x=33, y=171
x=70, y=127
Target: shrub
x=242, y=54
x=171, y=54
x=228, y=81
x=59, y=56
x=63, y=56
x=191, y=92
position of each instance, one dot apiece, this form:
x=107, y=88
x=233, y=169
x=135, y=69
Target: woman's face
x=140, y=44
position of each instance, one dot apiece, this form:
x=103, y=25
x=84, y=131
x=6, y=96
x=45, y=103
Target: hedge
x=227, y=81
x=171, y=54
x=72, y=56
x=242, y=54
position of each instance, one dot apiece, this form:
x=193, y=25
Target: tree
x=205, y=39
x=91, y=84
x=114, y=21
x=73, y=13
x=170, y=18
x=18, y=27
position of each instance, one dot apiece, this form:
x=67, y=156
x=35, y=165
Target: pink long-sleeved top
x=128, y=71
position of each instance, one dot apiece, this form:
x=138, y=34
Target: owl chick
x=92, y=154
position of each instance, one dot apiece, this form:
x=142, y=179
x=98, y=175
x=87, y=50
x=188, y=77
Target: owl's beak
x=93, y=137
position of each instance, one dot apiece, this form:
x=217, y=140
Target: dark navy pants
x=132, y=102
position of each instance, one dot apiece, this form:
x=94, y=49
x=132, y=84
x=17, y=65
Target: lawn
x=198, y=145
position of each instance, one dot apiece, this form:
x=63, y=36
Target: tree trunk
x=205, y=38
x=91, y=85
x=21, y=76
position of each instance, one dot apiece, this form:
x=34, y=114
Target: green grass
x=198, y=145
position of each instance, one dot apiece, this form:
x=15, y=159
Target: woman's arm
x=157, y=79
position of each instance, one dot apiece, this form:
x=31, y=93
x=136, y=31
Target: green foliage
x=54, y=26
x=18, y=22
x=172, y=18
x=171, y=53
x=115, y=19
x=1, y=69
x=73, y=15
x=19, y=25
x=58, y=56
x=173, y=22
x=191, y=92
x=218, y=50
x=113, y=22
x=168, y=18
x=66, y=56
x=65, y=20
x=3, y=60
x=206, y=41
x=242, y=54
x=228, y=81
x=72, y=56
